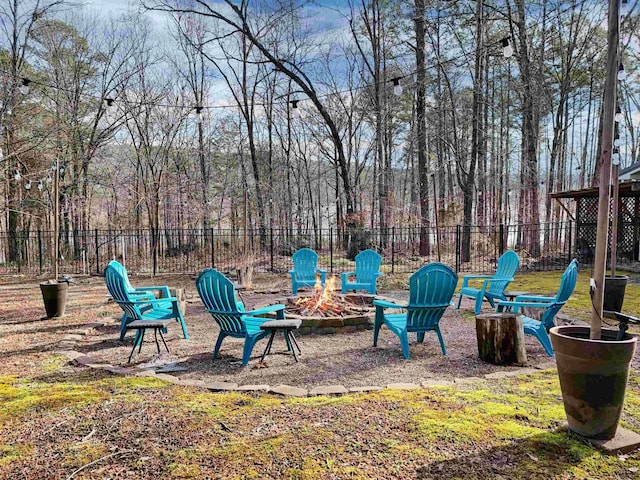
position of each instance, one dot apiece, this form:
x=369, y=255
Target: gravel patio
x=347, y=359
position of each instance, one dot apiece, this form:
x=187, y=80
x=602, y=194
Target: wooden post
x=501, y=338
x=600, y=261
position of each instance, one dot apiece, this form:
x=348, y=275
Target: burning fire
x=322, y=300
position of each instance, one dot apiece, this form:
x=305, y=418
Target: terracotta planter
x=614, y=288
x=54, y=295
x=593, y=378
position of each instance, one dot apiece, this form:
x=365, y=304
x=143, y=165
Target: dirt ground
x=347, y=359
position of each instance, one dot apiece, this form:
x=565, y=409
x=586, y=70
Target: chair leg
x=249, y=343
x=441, y=340
x=545, y=341
x=221, y=337
x=180, y=319
x=459, y=301
x=404, y=342
x=376, y=331
x=137, y=340
x=478, y=308
x=420, y=337
x=123, y=326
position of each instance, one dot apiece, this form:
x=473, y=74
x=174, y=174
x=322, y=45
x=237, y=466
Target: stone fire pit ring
x=359, y=317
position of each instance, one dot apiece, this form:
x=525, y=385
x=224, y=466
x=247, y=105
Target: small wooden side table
x=155, y=325
x=287, y=327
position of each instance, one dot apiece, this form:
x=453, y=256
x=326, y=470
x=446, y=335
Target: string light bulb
x=397, y=88
x=507, y=49
x=618, y=116
x=40, y=185
x=109, y=102
x=24, y=88
x=294, y=108
x=27, y=185
x=17, y=177
x=199, y=114
x=622, y=74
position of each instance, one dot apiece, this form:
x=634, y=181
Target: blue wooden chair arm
x=278, y=308
x=387, y=304
x=156, y=301
x=346, y=275
x=516, y=305
x=323, y=275
x=486, y=283
x=534, y=298
x=292, y=272
x=465, y=279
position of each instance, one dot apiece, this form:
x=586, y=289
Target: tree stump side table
x=501, y=338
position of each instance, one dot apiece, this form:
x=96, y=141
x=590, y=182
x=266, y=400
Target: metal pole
x=40, y=250
x=393, y=249
x=614, y=220
x=435, y=214
x=457, y=248
x=600, y=261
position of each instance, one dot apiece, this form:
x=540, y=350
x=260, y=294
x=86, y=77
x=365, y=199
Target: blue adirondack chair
x=430, y=292
x=367, y=273
x=551, y=306
x=140, y=293
x=141, y=308
x=494, y=285
x=218, y=294
x=305, y=270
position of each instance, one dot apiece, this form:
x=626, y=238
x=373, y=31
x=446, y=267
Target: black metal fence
x=270, y=250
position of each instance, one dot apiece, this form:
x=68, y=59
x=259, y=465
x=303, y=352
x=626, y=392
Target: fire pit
x=324, y=310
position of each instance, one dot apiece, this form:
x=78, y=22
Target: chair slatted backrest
x=367, y=265
x=305, y=264
x=117, y=286
x=430, y=291
x=218, y=294
x=123, y=271
x=567, y=285
x=508, y=264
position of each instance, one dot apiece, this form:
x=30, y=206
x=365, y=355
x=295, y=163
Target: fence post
x=457, y=248
x=40, y=250
x=501, y=241
x=271, y=245
x=155, y=236
x=95, y=231
x=331, y=248
x=393, y=249
x=213, y=257
x=570, y=241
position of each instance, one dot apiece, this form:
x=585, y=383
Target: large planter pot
x=614, y=288
x=593, y=378
x=54, y=295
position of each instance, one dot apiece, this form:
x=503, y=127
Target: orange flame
x=322, y=297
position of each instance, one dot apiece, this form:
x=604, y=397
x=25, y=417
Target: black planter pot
x=593, y=378
x=54, y=295
x=614, y=288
